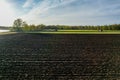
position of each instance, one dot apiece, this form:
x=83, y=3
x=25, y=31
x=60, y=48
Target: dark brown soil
x=59, y=57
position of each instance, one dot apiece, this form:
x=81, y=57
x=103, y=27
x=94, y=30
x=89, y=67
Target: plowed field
x=59, y=57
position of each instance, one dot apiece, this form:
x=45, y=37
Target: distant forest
x=4, y=28
x=22, y=26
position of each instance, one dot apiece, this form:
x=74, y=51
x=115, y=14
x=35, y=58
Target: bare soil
x=59, y=57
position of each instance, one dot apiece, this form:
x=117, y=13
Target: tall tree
x=18, y=23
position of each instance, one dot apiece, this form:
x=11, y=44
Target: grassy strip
x=77, y=31
x=70, y=32
x=80, y=32
x=111, y=31
x=5, y=33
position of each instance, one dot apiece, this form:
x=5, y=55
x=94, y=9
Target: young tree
x=17, y=25
x=25, y=27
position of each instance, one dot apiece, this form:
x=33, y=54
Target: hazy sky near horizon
x=64, y=12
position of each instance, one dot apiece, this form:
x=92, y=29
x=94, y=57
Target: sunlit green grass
x=5, y=33
x=81, y=32
x=70, y=32
x=77, y=31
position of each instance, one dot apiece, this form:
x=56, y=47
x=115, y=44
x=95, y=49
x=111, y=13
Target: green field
x=81, y=32
x=71, y=32
x=6, y=33
x=77, y=31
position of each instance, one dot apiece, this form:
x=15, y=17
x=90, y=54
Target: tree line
x=4, y=28
x=21, y=26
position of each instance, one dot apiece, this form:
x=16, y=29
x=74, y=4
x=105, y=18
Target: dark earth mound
x=59, y=57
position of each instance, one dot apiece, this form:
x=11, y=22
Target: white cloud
x=84, y=12
x=7, y=14
x=28, y=3
x=43, y=9
x=71, y=12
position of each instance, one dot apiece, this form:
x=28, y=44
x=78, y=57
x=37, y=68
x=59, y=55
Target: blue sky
x=64, y=12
